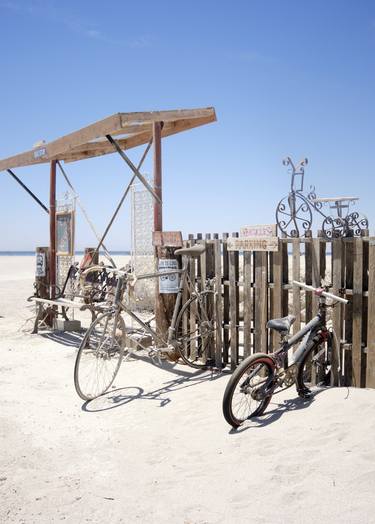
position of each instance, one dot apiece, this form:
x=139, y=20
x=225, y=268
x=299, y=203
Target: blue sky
x=285, y=77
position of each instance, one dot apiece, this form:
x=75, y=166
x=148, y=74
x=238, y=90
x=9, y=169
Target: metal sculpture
x=294, y=212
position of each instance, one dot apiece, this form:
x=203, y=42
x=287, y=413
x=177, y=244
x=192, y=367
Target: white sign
x=39, y=153
x=40, y=268
x=253, y=244
x=168, y=283
x=263, y=230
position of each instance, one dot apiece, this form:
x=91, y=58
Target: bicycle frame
x=305, y=335
x=171, y=330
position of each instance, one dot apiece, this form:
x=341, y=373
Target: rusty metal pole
x=161, y=316
x=158, y=207
x=52, y=227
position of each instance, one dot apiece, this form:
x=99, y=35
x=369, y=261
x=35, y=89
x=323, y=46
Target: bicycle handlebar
x=320, y=292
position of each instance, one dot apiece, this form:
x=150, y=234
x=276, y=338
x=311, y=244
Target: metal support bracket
x=133, y=168
x=28, y=190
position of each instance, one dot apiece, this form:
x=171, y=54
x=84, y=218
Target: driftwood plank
x=225, y=300
x=337, y=257
x=234, y=306
x=309, y=257
x=219, y=303
x=296, y=289
x=260, y=332
x=276, y=295
x=365, y=317
x=247, y=302
x=316, y=275
x=285, y=277
x=348, y=333
x=370, y=368
x=357, y=311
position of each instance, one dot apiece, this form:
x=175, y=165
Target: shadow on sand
x=67, y=338
x=276, y=411
x=122, y=396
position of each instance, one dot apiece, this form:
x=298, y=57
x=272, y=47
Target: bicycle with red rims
x=262, y=375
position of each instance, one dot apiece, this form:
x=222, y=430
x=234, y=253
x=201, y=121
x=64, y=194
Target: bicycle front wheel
x=99, y=356
x=249, y=389
x=196, y=330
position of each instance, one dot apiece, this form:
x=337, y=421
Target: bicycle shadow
x=121, y=396
x=271, y=416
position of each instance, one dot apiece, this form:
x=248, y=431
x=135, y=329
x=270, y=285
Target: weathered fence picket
x=252, y=287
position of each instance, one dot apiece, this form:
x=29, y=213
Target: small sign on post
x=168, y=283
x=255, y=238
x=167, y=239
x=40, y=266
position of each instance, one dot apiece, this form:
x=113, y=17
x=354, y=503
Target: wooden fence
x=256, y=286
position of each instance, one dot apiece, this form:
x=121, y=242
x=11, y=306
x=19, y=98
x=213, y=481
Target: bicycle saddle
x=281, y=324
x=193, y=251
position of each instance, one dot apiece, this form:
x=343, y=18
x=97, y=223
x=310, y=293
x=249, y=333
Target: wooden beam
x=166, y=116
x=62, y=148
x=136, y=140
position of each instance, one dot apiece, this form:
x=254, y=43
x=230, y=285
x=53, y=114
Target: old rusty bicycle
x=111, y=338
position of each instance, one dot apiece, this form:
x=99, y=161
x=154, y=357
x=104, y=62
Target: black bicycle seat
x=281, y=324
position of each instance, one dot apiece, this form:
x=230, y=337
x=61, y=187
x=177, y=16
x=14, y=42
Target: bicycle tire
x=196, y=324
x=250, y=363
x=101, y=351
x=315, y=368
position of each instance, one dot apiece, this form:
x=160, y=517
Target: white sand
x=158, y=450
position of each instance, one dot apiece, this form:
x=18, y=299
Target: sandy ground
x=156, y=449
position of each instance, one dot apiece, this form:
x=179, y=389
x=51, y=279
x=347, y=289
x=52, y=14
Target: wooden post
x=52, y=228
x=42, y=280
x=163, y=303
x=158, y=209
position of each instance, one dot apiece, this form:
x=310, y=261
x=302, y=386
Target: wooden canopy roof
x=130, y=130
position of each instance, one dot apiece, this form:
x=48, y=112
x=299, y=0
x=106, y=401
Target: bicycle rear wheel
x=249, y=389
x=316, y=367
x=99, y=356
x=196, y=330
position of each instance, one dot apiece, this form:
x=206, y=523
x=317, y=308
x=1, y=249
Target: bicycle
x=191, y=334
x=261, y=375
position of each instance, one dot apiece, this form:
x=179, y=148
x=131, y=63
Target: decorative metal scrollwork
x=334, y=227
x=357, y=223
x=293, y=215
x=294, y=211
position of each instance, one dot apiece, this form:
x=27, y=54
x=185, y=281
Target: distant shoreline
x=32, y=253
